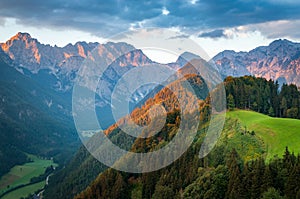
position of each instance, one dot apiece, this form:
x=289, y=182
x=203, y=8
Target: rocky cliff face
x=28, y=54
x=278, y=61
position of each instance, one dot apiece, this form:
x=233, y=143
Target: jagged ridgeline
x=278, y=61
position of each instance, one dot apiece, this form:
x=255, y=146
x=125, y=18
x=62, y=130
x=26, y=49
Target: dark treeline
x=261, y=95
x=15, y=157
x=189, y=177
x=255, y=179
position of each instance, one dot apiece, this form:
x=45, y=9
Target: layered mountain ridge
x=279, y=61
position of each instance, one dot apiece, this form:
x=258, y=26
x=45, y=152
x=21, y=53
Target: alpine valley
x=255, y=157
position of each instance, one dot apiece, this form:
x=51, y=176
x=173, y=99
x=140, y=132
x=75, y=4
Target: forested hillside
x=263, y=96
x=84, y=168
x=236, y=168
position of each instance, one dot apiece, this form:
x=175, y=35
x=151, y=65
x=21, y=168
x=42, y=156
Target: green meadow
x=25, y=191
x=21, y=175
x=275, y=133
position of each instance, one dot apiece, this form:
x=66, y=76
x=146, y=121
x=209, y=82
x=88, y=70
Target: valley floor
x=17, y=182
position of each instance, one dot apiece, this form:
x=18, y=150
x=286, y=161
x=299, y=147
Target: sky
x=215, y=25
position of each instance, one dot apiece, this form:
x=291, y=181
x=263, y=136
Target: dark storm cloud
x=109, y=17
x=213, y=34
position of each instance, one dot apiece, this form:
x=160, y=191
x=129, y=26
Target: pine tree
x=283, y=107
x=246, y=181
x=271, y=111
x=234, y=183
x=292, y=186
x=287, y=159
x=267, y=180
x=230, y=102
x=272, y=193
x=257, y=173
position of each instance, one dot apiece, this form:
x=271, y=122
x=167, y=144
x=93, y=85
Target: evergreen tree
x=283, y=107
x=292, y=186
x=271, y=194
x=234, y=182
x=271, y=111
x=163, y=192
x=230, y=102
x=267, y=180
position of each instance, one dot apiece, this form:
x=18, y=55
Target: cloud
x=180, y=36
x=213, y=34
x=276, y=29
x=104, y=18
x=2, y=21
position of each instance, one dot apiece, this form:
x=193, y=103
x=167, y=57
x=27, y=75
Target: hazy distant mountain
x=57, y=67
x=278, y=61
x=183, y=59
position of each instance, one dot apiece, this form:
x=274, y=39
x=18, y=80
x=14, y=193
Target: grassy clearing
x=248, y=146
x=25, y=191
x=276, y=133
x=21, y=174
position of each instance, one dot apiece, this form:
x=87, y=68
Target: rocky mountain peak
x=21, y=36
x=20, y=39
x=281, y=42
x=135, y=58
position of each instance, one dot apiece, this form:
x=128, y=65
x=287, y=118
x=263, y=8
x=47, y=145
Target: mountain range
x=279, y=61
x=36, y=92
x=54, y=69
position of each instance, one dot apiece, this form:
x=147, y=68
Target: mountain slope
x=191, y=177
x=33, y=120
x=36, y=85
x=84, y=168
x=174, y=180
x=278, y=61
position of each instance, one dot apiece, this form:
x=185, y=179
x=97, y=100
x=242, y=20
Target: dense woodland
x=189, y=177
x=227, y=172
x=263, y=96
